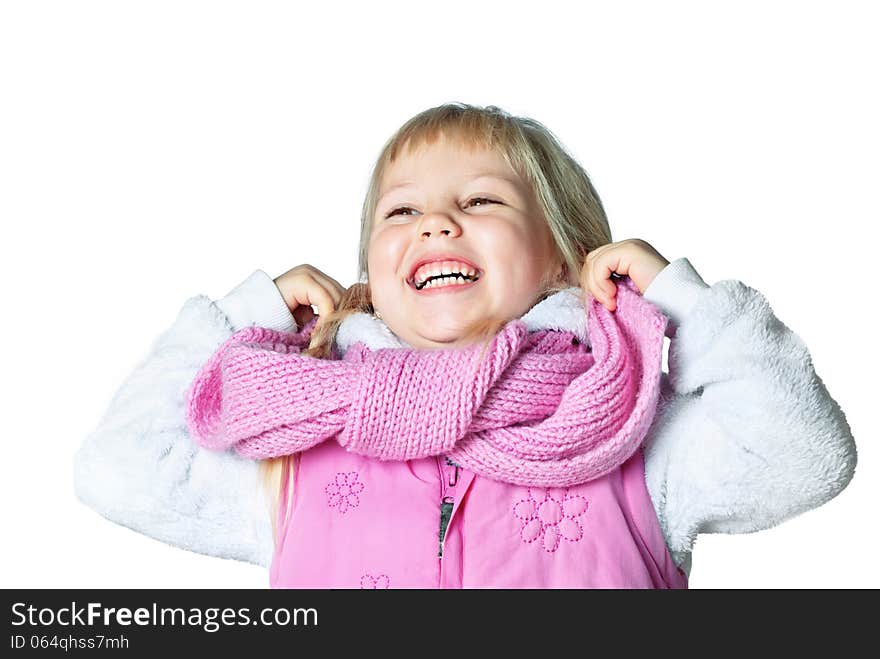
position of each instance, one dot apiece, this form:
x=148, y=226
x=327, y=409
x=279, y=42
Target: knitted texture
x=535, y=408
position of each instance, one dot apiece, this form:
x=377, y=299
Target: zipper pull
x=446, y=505
x=454, y=478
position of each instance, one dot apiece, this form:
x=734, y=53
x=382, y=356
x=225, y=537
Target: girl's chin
x=432, y=337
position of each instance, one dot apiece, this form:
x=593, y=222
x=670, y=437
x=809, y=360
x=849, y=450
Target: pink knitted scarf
x=538, y=408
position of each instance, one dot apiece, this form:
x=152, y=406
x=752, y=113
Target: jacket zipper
x=448, y=480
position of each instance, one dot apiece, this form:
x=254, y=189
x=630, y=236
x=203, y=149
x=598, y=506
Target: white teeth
x=445, y=281
x=442, y=268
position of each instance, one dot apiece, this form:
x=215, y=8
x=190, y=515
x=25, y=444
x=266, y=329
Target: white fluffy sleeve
x=746, y=435
x=140, y=468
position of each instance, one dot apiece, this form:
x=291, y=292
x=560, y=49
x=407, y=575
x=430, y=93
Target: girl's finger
x=586, y=283
x=589, y=284
x=591, y=289
x=601, y=274
x=335, y=289
x=320, y=297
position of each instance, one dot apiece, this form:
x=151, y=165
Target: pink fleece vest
x=359, y=522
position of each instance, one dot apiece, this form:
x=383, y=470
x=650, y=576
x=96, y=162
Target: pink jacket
x=358, y=522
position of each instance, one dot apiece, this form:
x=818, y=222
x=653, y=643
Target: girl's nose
x=438, y=224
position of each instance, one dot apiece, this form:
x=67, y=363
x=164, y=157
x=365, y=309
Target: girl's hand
x=632, y=257
x=304, y=286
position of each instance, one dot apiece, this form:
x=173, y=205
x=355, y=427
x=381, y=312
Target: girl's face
x=447, y=205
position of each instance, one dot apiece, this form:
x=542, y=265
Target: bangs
x=469, y=130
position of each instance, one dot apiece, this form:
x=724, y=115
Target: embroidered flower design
x=550, y=516
x=368, y=581
x=342, y=493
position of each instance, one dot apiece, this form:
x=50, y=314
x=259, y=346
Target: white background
x=152, y=151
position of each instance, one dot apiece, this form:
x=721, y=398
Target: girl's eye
x=397, y=211
x=491, y=201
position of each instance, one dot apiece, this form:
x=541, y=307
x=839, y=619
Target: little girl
x=399, y=450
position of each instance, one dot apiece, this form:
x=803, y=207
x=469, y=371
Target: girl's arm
x=140, y=468
x=746, y=435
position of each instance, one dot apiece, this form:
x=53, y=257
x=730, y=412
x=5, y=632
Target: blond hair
x=570, y=205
